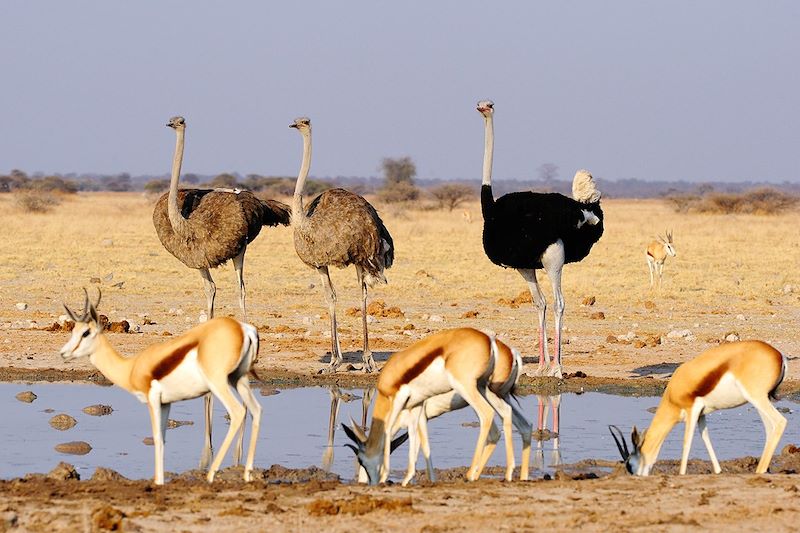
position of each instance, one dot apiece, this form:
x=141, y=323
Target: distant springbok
x=657, y=252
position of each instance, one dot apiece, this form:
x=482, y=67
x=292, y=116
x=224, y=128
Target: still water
x=296, y=431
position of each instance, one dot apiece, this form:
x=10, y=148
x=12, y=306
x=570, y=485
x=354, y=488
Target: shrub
x=762, y=201
x=451, y=195
x=36, y=201
x=399, y=192
x=156, y=186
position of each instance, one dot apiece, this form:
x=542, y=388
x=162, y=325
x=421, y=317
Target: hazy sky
x=700, y=90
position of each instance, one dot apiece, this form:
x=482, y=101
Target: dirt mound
x=522, y=298
x=295, y=475
x=359, y=505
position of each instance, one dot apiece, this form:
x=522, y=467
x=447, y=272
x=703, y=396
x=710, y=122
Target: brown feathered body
x=340, y=228
x=218, y=224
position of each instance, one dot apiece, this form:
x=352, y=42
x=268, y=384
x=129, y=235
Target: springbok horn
x=362, y=437
x=86, y=304
x=623, y=446
x=352, y=435
x=99, y=297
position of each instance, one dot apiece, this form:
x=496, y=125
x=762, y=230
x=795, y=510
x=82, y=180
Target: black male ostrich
x=528, y=231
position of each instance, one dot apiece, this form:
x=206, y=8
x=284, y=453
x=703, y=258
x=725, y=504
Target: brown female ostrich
x=339, y=228
x=203, y=228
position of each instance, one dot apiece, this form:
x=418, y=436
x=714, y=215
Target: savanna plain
x=734, y=276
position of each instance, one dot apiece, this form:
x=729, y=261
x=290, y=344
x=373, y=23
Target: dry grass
x=727, y=265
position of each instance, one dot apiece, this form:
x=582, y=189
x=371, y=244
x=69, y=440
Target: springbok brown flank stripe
x=169, y=363
x=420, y=366
x=710, y=381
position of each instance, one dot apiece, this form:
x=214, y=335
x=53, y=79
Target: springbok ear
x=635, y=438
x=352, y=435
x=398, y=441
x=357, y=430
x=70, y=313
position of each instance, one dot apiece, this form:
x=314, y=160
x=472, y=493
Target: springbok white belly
x=184, y=382
x=432, y=381
x=725, y=395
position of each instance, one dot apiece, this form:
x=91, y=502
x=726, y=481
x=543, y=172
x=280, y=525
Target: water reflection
x=542, y=434
x=336, y=397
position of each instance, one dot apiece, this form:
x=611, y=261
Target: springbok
x=211, y=357
x=503, y=381
x=457, y=360
x=726, y=376
x=657, y=252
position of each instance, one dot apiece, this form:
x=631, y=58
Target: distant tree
x=398, y=180
x=451, y=195
x=223, y=181
x=156, y=186
x=401, y=170
x=190, y=178
x=548, y=172
x=119, y=183
x=55, y=184
x=5, y=184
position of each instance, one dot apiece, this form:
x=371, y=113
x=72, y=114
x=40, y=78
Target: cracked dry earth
x=734, y=275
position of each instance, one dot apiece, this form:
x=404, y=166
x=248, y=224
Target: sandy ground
x=733, y=275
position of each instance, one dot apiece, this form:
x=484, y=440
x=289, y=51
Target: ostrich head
x=303, y=124
x=584, y=189
x=85, y=332
x=176, y=123
x=486, y=108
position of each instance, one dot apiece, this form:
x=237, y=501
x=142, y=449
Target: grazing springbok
x=726, y=376
x=211, y=357
x=657, y=252
x=457, y=360
x=503, y=381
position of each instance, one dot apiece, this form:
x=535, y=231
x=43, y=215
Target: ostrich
x=339, y=228
x=529, y=231
x=204, y=228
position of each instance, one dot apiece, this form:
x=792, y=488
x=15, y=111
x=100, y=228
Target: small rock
x=470, y=314
x=62, y=422
x=732, y=337
x=371, y=319
x=436, y=318
x=628, y=337
x=63, y=472
x=98, y=410
x=203, y=317
x=740, y=317
x=119, y=327
x=77, y=447
x=107, y=518
x=108, y=277
x=147, y=441
x=599, y=315
x=21, y=306
x=106, y=474
x=26, y=396
x=10, y=520
x=788, y=289
x=94, y=280
x=649, y=304
x=588, y=301
x=639, y=344
x=679, y=334
x=107, y=242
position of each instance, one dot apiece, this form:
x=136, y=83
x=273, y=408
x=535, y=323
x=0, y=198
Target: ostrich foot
x=331, y=368
x=555, y=371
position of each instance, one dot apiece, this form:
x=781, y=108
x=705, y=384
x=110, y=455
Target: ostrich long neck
x=112, y=365
x=175, y=217
x=298, y=213
x=487, y=198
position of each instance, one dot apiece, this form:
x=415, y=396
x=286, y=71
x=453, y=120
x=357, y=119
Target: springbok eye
x=85, y=333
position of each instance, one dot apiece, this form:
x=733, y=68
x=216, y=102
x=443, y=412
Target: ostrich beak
x=292, y=125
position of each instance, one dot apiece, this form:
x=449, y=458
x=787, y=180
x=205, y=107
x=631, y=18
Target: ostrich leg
x=541, y=305
x=553, y=261
x=238, y=265
x=369, y=363
x=211, y=291
x=330, y=295
x=208, y=450
x=555, y=402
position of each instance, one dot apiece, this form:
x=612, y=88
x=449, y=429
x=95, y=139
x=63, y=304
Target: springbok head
x=633, y=460
x=83, y=341
x=668, y=243
x=370, y=464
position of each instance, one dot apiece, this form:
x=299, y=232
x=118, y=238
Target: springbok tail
x=773, y=393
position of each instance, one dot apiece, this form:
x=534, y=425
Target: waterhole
x=296, y=431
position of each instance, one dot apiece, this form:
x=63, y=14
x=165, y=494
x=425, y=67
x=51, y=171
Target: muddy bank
x=647, y=386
